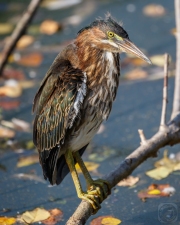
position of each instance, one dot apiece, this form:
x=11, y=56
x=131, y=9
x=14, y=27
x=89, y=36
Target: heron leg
x=90, y=197
x=99, y=187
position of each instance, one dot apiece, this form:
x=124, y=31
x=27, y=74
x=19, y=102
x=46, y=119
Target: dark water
x=137, y=106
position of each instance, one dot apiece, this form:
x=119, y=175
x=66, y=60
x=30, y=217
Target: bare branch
x=176, y=101
x=142, y=137
x=165, y=98
x=148, y=149
x=18, y=32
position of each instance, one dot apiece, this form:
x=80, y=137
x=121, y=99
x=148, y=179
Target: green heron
x=74, y=98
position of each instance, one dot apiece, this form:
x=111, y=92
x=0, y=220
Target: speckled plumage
x=76, y=95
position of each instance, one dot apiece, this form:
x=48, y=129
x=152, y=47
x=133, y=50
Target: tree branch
x=145, y=151
x=176, y=101
x=18, y=32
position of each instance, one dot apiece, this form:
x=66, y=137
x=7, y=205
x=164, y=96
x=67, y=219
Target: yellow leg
x=91, y=198
x=97, y=187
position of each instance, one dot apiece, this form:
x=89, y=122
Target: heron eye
x=110, y=34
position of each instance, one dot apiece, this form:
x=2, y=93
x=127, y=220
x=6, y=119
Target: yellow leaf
x=158, y=60
x=5, y=28
x=91, y=166
x=159, y=173
x=110, y=221
x=35, y=215
x=7, y=221
x=154, y=192
x=11, y=89
x=26, y=84
x=25, y=41
x=27, y=160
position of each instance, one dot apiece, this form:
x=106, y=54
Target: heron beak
x=127, y=46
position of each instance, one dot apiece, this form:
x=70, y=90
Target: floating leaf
x=91, y=166
x=35, y=215
x=25, y=41
x=11, y=89
x=56, y=4
x=154, y=10
x=158, y=60
x=159, y=173
x=5, y=28
x=7, y=220
x=6, y=133
x=97, y=221
x=13, y=74
x=32, y=59
x=21, y=125
x=7, y=105
x=28, y=160
x=156, y=190
x=55, y=216
x=136, y=74
x=129, y=181
x=50, y=27
x=25, y=176
x=26, y=84
x=110, y=221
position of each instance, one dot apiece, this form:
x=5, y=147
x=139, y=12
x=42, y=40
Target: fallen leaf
x=91, y=166
x=26, y=84
x=154, y=10
x=158, y=60
x=56, y=4
x=35, y=215
x=11, y=89
x=27, y=160
x=129, y=181
x=25, y=176
x=8, y=105
x=133, y=61
x=156, y=190
x=32, y=59
x=136, y=74
x=5, y=28
x=49, y=27
x=97, y=221
x=55, y=216
x=21, y=125
x=13, y=74
x=6, y=133
x=24, y=41
x=7, y=220
x=110, y=221
x=159, y=173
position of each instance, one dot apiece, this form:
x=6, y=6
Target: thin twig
x=142, y=137
x=159, y=140
x=165, y=96
x=176, y=101
x=18, y=32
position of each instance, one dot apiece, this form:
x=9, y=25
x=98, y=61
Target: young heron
x=74, y=98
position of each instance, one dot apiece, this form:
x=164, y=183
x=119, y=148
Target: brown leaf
x=97, y=221
x=8, y=105
x=6, y=133
x=50, y=27
x=129, y=181
x=136, y=74
x=133, y=61
x=154, y=10
x=32, y=59
x=55, y=216
x=28, y=160
x=24, y=41
x=7, y=220
x=13, y=74
x=156, y=190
